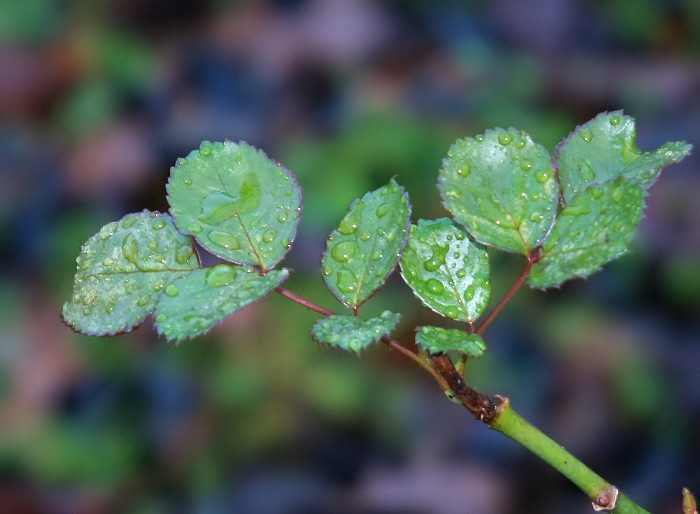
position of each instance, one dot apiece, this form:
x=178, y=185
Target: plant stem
x=391, y=343
x=497, y=413
x=603, y=494
x=509, y=294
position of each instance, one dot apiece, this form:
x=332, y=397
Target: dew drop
x=536, y=217
x=376, y=255
x=87, y=311
x=205, y=148
x=469, y=293
x=220, y=275
x=187, y=181
x=618, y=194
x=347, y=226
x=344, y=251
x=172, y=290
x=153, y=245
x=525, y=165
x=129, y=222
x=615, y=120
x=345, y=282
x=383, y=210
x=181, y=161
x=143, y=300
x=542, y=177
x=108, y=230
x=108, y=261
x=505, y=139
x=461, y=273
x=366, y=236
x=183, y=254
x=269, y=236
x=520, y=144
x=160, y=224
x=282, y=218
x=224, y=240
x=194, y=228
x=479, y=137
x=130, y=249
x=464, y=170
x=159, y=285
x=434, y=286
x=452, y=312
x=586, y=135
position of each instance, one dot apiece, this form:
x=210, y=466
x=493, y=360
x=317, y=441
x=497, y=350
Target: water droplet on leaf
x=434, y=286
x=224, y=240
x=344, y=251
x=220, y=275
x=172, y=290
x=130, y=249
x=205, y=148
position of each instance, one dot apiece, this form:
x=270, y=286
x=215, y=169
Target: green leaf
x=365, y=248
x=447, y=272
x=441, y=340
x=603, y=149
x=352, y=333
x=236, y=202
x=500, y=185
x=121, y=271
x=593, y=229
x=196, y=302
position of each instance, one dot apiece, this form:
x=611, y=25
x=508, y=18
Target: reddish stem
x=532, y=259
x=391, y=343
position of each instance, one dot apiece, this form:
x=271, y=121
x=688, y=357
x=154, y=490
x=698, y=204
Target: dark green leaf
x=238, y=204
x=121, y=271
x=603, y=149
x=196, y=302
x=593, y=229
x=447, y=272
x=501, y=187
x=352, y=333
x=441, y=340
x=365, y=248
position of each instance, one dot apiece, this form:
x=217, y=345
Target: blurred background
x=98, y=99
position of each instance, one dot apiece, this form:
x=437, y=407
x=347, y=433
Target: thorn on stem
x=606, y=500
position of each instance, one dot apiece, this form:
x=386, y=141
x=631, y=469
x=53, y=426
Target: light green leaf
x=593, y=229
x=196, y=302
x=447, y=272
x=236, y=202
x=604, y=149
x=500, y=185
x=441, y=340
x=365, y=248
x=121, y=271
x=352, y=333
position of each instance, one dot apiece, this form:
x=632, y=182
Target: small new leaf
x=352, y=333
x=592, y=230
x=123, y=269
x=501, y=186
x=236, y=202
x=604, y=149
x=365, y=248
x=446, y=271
x=193, y=304
x=441, y=340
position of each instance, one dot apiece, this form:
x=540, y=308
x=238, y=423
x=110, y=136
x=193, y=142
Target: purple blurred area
x=98, y=99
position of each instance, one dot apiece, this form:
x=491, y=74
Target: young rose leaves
x=446, y=271
x=123, y=269
x=196, y=302
x=353, y=333
x=501, y=186
x=592, y=230
x=365, y=248
x=237, y=203
x=603, y=178
x=603, y=149
x=441, y=340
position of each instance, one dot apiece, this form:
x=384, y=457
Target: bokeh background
x=98, y=99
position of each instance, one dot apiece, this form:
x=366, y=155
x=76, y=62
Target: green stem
x=601, y=493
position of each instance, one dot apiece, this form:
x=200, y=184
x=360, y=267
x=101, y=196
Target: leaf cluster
x=568, y=214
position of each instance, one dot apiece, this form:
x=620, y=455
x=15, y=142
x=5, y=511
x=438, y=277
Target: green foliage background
x=100, y=99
